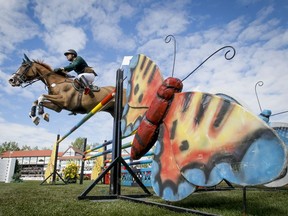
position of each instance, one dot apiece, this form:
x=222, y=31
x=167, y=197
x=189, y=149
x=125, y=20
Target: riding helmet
x=71, y=51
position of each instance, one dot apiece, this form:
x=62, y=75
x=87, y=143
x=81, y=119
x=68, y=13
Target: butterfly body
x=147, y=132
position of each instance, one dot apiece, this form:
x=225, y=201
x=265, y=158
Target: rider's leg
x=87, y=80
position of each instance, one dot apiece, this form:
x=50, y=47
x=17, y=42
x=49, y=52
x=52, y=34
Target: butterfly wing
x=213, y=139
x=228, y=97
x=281, y=129
x=166, y=178
x=144, y=79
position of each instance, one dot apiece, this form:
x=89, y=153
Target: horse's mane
x=41, y=62
x=48, y=67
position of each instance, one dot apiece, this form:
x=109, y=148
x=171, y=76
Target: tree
x=79, y=143
x=26, y=148
x=9, y=146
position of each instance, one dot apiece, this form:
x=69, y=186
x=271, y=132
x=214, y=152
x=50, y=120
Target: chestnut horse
x=63, y=91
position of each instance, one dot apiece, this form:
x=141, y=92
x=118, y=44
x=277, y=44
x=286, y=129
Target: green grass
x=31, y=198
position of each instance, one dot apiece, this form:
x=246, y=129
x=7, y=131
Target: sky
x=103, y=32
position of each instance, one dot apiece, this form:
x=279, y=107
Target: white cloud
x=162, y=21
x=16, y=26
x=102, y=18
x=26, y=135
x=65, y=37
x=106, y=26
x=52, y=13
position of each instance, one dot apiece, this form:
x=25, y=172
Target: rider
x=85, y=73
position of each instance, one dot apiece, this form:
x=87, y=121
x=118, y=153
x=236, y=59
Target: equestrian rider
x=85, y=73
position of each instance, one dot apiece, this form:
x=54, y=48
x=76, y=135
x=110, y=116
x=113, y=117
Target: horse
x=64, y=92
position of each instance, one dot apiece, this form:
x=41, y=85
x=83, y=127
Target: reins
x=38, y=76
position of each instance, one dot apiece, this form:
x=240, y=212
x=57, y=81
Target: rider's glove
x=57, y=70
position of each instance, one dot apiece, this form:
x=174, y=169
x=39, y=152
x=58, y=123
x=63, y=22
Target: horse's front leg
x=32, y=113
x=48, y=102
x=52, y=106
x=41, y=101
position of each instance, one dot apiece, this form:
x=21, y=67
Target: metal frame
x=115, y=166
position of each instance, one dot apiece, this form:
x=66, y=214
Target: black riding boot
x=86, y=85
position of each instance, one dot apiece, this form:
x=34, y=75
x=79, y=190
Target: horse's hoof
x=46, y=117
x=36, y=120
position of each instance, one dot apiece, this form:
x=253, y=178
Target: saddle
x=80, y=87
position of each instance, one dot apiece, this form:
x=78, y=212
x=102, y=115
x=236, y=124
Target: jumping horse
x=64, y=92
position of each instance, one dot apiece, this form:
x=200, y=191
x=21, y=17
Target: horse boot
x=33, y=116
x=40, y=108
x=33, y=111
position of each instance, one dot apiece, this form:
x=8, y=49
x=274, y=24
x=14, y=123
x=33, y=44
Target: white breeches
x=89, y=77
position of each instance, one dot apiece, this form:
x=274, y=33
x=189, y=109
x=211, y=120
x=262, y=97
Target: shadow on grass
x=258, y=202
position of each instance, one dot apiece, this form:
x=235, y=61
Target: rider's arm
x=77, y=64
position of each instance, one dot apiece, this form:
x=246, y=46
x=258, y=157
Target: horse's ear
x=23, y=61
x=26, y=58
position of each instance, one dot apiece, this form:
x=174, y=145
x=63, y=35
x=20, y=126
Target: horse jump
x=63, y=92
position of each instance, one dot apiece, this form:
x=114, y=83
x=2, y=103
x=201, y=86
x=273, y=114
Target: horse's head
x=25, y=73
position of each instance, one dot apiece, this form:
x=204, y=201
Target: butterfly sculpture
x=201, y=138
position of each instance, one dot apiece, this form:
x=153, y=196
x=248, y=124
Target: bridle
x=23, y=79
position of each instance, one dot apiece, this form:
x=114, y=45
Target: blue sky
x=103, y=32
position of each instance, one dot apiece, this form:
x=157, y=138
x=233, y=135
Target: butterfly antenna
x=167, y=40
x=280, y=113
x=259, y=83
x=226, y=57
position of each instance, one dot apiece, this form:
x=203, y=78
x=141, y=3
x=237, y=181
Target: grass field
x=31, y=198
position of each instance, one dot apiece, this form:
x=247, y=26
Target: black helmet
x=71, y=51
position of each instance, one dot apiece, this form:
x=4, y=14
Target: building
x=33, y=163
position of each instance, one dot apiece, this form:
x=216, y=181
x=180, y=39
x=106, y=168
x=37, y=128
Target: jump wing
x=144, y=79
